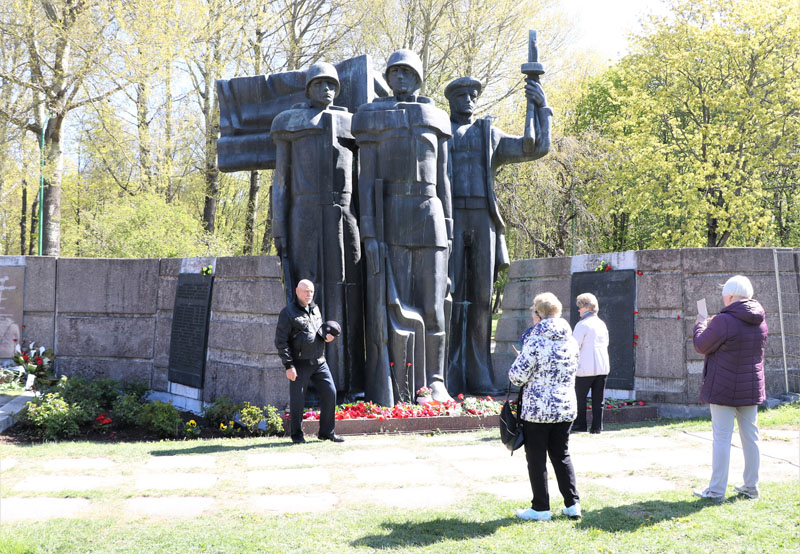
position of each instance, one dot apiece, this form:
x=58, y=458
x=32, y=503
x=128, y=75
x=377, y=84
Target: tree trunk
x=54, y=170
x=23, y=219
x=34, y=224
x=252, y=209
x=266, y=241
x=145, y=161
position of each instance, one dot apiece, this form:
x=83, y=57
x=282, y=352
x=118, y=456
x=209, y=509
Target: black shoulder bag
x=511, y=422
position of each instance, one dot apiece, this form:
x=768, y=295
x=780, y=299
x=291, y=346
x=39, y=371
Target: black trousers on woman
x=597, y=384
x=543, y=440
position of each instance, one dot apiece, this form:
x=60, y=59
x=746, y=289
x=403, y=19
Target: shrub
x=251, y=416
x=274, y=420
x=93, y=396
x=136, y=387
x=53, y=417
x=221, y=411
x=126, y=409
x=163, y=417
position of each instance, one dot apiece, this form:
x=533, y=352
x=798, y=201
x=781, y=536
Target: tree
x=67, y=42
x=705, y=118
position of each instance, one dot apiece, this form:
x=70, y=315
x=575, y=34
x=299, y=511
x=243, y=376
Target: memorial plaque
x=12, y=288
x=189, y=337
x=616, y=295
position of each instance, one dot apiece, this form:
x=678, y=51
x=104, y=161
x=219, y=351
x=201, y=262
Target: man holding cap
x=476, y=151
x=313, y=220
x=300, y=338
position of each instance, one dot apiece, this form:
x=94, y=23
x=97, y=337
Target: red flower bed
x=370, y=410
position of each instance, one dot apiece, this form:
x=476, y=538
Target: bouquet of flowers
x=35, y=360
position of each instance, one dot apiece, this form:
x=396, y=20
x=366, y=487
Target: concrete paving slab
x=472, y=451
x=376, y=456
x=486, y=470
x=280, y=459
x=54, y=483
x=408, y=497
x=517, y=490
x=277, y=478
x=295, y=503
x=7, y=463
x=10, y=409
x=202, y=461
x=635, y=484
x=171, y=506
x=607, y=463
x=173, y=481
x=21, y=509
x=399, y=473
x=73, y=464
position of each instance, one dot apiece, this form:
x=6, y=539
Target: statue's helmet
x=322, y=70
x=407, y=58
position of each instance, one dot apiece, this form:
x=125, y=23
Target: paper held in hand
x=702, y=310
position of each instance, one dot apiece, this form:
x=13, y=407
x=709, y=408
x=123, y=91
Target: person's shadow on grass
x=630, y=517
x=424, y=533
x=218, y=448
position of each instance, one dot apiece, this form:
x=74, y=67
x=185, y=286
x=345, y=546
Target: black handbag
x=511, y=423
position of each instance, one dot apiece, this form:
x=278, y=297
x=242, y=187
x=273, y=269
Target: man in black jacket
x=300, y=338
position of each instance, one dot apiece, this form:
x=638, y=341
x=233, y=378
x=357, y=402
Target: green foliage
x=142, y=226
x=94, y=396
x=703, y=130
x=251, y=416
x=274, y=420
x=221, y=411
x=53, y=417
x=163, y=418
x=137, y=387
x=126, y=409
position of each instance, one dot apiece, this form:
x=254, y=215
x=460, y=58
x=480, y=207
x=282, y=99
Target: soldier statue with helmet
x=406, y=227
x=313, y=219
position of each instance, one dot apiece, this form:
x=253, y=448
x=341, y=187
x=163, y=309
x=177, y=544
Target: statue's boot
x=434, y=365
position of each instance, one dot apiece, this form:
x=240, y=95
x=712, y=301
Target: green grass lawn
x=614, y=522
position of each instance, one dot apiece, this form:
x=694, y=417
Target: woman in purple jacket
x=733, y=382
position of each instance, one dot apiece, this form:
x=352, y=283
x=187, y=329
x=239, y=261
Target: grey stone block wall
x=113, y=317
x=668, y=284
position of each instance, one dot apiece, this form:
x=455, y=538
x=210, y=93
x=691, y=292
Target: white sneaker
x=532, y=515
x=749, y=492
x=707, y=494
x=573, y=512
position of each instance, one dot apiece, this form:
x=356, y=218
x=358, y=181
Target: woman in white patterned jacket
x=546, y=368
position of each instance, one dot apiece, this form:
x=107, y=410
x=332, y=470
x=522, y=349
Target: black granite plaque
x=189, y=337
x=616, y=295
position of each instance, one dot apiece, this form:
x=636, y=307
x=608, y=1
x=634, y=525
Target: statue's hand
x=535, y=93
x=371, y=250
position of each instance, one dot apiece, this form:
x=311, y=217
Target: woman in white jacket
x=593, y=366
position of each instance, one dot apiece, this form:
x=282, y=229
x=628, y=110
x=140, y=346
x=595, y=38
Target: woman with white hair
x=733, y=343
x=546, y=368
x=593, y=366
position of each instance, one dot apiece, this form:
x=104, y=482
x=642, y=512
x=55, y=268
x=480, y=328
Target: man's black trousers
x=320, y=376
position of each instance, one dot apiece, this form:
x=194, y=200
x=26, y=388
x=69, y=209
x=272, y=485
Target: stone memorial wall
x=668, y=284
x=113, y=317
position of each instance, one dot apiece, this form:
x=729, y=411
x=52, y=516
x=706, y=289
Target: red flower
x=641, y=403
x=15, y=340
x=679, y=318
x=408, y=364
x=391, y=364
x=460, y=397
x=608, y=268
x=25, y=357
x=22, y=326
x=635, y=313
x=636, y=336
x=634, y=343
x=639, y=272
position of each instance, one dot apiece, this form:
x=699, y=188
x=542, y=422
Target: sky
x=604, y=25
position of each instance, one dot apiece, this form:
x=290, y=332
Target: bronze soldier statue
x=406, y=226
x=314, y=224
x=477, y=150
